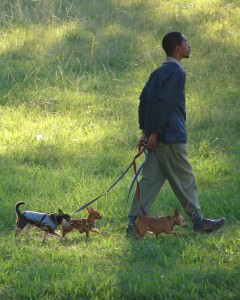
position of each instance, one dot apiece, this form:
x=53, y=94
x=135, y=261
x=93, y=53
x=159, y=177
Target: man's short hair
x=170, y=41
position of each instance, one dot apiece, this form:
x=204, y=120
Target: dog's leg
x=58, y=235
x=17, y=231
x=55, y=234
x=64, y=233
x=44, y=236
x=87, y=233
x=28, y=229
x=51, y=234
x=95, y=230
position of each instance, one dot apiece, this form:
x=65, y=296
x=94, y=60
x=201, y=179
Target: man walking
x=162, y=119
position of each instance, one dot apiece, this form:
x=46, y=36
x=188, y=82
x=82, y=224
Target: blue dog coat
x=43, y=219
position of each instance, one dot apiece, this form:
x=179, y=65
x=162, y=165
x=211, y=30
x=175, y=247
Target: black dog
x=45, y=221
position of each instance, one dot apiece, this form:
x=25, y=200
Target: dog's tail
x=17, y=207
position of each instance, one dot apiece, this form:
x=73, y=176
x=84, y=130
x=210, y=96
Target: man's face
x=184, y=49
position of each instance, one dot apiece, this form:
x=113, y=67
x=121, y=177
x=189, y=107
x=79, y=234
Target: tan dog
x=159, y=224
x=83, y=225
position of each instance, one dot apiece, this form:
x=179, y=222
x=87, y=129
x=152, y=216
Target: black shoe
x=131, y=229
x=211, y=225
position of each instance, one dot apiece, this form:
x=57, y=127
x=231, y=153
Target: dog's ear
x=90, y=210
x=176, y=213
x=60, y=213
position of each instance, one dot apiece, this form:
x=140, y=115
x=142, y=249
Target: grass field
x=70, y=77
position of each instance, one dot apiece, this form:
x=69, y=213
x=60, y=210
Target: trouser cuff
x=197, y=219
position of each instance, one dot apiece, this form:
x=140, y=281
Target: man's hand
x=143, y=139
x=152, y=141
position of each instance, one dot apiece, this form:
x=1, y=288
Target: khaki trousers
x=168, y=162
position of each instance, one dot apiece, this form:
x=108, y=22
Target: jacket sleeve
x=145, y=98
x=166, y=101
x=142, y=105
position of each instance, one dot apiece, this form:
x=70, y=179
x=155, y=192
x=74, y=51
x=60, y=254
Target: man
x=162, y=119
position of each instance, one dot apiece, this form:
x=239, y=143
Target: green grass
x=70, y=76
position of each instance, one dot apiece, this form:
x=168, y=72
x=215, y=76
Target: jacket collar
x=172, y=59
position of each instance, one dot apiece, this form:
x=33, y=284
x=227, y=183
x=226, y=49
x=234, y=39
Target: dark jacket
x=162, y=104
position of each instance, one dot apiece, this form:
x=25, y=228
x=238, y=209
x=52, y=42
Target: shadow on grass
x=191, y=264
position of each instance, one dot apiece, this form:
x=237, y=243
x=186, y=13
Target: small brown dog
x=159, y=224
x=83, y=225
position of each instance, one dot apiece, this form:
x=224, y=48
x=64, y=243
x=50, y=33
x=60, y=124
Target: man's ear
x=177, y=48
